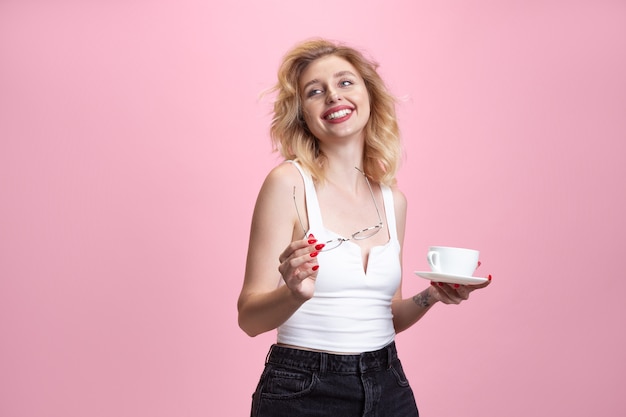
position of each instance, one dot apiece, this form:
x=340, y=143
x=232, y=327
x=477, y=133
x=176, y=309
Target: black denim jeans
x=302, y=383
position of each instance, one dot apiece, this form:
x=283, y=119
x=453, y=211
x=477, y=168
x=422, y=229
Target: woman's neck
x=342, y=153
x=341, y=159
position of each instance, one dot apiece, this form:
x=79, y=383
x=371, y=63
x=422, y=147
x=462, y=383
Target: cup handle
x=433, y=260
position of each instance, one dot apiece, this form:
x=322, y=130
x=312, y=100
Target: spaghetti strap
x=390, y=212
x=314, y=214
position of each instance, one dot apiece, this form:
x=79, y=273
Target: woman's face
x=335, y=101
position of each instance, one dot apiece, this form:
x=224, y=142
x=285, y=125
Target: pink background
x=133, y=143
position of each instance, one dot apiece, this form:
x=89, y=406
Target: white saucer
x=450, y=279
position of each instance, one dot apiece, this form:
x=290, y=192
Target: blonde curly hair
x=291, y=136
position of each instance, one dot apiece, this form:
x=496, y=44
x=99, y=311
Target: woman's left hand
x=454, y=293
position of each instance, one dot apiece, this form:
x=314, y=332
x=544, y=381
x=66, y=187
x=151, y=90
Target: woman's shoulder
x=399, y=199
x=395, y=190
x=283, y=176
x=285, y=172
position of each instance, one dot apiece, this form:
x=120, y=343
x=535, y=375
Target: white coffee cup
x=453, y=261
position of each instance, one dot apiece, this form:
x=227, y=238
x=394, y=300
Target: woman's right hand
x=298, y=267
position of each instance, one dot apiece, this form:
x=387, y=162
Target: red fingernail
x=312, y=241
x=440, y=284
x=315, y=267
x=313, y=254
x=456, y=285
x=433, y=283
x=489, y=277
x=320, y=246
x=311, y=235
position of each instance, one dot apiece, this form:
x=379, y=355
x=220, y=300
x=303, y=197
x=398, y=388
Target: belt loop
x=390, y=354
x=269, y=352
x=323, y=363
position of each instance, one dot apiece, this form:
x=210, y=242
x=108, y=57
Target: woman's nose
x=333, y=97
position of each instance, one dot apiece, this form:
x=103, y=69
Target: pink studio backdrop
x=133, y=143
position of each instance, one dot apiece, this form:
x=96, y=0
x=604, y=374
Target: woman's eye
x=314, y=92
x=346, y=83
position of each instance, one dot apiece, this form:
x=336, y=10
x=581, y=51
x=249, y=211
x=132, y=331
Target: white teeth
x=338, y=114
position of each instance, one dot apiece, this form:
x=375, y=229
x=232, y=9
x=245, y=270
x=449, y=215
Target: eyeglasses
x=360, y=235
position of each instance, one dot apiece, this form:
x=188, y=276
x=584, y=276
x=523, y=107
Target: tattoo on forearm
x=422, y=300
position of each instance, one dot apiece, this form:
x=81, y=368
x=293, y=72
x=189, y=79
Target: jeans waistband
x=329, y=362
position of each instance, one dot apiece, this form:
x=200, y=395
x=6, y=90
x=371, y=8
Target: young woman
x=324, y=258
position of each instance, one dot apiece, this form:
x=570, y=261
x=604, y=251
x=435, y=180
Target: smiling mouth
x=338, y=114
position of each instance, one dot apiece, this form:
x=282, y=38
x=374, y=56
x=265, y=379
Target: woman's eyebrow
x=315, y=81
x=344, y=73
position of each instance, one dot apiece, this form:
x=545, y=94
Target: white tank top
x=351, y=309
